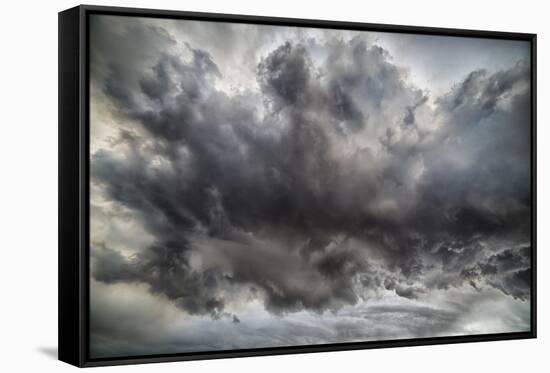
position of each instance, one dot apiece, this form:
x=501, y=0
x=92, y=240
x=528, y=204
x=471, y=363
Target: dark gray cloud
x=167, y=271
x=508, y=271
x=334, y=180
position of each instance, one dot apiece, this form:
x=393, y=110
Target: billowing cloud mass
x=267, y=186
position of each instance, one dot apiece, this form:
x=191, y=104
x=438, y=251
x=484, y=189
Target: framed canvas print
x=238, y=185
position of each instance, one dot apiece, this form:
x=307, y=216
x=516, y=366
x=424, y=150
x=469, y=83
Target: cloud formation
x=328, y=181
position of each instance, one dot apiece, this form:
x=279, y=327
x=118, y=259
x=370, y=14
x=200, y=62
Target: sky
x=263, y=186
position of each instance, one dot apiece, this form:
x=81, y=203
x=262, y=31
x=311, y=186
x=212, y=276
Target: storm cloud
x=325, y=180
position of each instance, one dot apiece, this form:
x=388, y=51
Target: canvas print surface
x=264, y=186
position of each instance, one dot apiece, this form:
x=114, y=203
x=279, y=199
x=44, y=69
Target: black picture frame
x=73, y=231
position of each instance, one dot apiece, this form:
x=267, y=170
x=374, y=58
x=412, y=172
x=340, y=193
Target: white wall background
x=28, y=184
